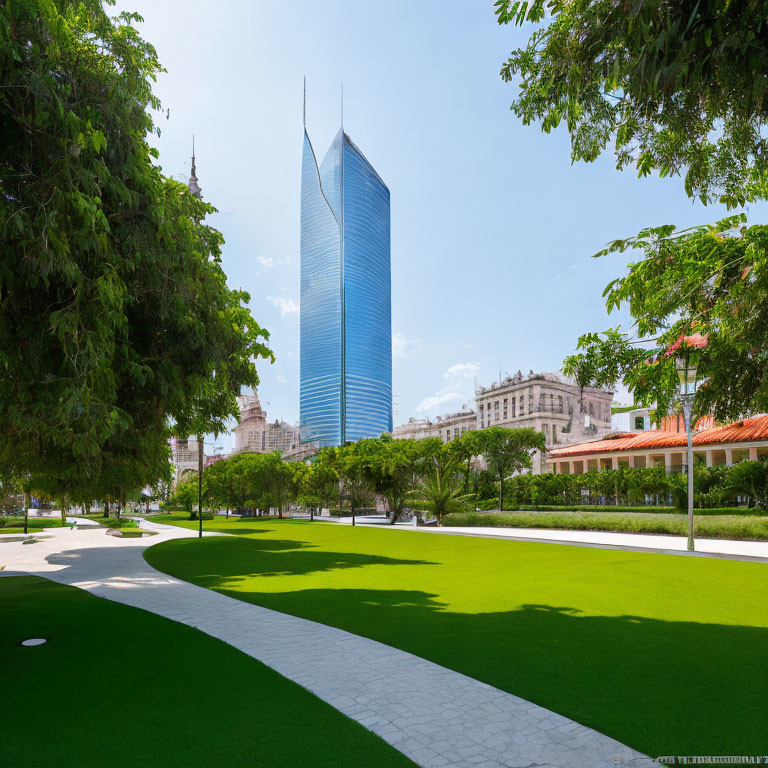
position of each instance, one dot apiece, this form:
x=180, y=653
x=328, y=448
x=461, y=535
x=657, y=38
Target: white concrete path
x=437, y=717
x=644, y=542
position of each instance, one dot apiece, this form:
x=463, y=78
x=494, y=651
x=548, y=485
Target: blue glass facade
x=346, y=327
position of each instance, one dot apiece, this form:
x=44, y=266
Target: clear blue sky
x=492, y=227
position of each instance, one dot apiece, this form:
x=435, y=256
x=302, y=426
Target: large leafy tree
x=115, y=315
x=509, y=450
x=392, y=467
x=676, y=88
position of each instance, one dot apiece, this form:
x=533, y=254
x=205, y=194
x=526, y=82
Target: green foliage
x=676, y=87
x=710, y=280
x=115, y=315
x=186, y=496
x=507, y=451
x=442, y=490
x=679, y=89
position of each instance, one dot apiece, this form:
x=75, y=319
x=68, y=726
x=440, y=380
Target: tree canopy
x=679, y=89
x=115, y=315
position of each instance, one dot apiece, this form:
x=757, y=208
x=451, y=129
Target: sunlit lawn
x=119, y=687
x=665, y=653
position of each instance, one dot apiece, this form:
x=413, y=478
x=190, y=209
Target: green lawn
x=116, y=686
x=665, y=653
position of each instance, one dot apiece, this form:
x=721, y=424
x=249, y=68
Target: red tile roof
x=739, y=432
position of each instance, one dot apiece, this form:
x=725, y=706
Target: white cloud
x=269, y=261
x=458, y=389
x=461, y=372
x=286, y=306
x=439, y=400
x=402, y=346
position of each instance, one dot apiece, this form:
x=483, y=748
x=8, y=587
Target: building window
x=505, y=410
x=545, y=431
x=560, y=403
x=639, y=423
x=513, y=407
x=552, y=403
x=530, y=402
x=554, y=433
x=496, y=410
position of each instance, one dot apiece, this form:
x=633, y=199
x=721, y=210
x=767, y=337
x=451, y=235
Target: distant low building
x=726, y=445
x=447, y=427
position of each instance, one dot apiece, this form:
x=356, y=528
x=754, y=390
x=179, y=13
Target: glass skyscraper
x=345, y=309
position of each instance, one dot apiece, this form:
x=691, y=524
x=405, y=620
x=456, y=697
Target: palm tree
x=441, y=491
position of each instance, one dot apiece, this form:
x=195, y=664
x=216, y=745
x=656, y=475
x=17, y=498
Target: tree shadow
x=226, y=560
x=662, y=687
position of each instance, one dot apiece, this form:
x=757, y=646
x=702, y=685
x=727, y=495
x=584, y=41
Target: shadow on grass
x=226, y=560
x=661, y=687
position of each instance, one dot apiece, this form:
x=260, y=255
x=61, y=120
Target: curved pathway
x=437, y=717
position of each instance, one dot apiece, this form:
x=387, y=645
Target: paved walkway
x=437, y=717
x=642, y=542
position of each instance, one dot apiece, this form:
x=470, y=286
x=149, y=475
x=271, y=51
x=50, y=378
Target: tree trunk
x=106, y=507
x=26, y=512
x=63, y=512
x=501, y=491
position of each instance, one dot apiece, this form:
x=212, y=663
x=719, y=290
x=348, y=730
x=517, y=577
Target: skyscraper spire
x=342, y=106
x=305, y=103
x=194, y=187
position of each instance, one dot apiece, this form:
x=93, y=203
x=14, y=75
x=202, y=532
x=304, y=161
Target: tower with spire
x=345, y=296
x=194, y=187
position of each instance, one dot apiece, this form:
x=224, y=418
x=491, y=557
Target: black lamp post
x=686, y=372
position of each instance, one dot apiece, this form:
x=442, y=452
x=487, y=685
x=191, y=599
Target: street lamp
x=686, y=372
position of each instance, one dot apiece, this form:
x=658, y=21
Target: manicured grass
x=665, y=653
x=116, y=686
x=740, y=527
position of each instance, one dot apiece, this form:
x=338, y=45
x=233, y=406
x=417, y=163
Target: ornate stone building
x=548, y=403
x=254, y=434
x=445, y=427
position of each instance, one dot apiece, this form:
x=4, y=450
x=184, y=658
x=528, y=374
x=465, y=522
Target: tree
x=185, y=496
x=391, y=467
x=749, y=478
x=509, y=450
x=115, y=316
x=320, y=484
x=442, y=489
x=464, y=449
x=679, y=89
x=279, y=481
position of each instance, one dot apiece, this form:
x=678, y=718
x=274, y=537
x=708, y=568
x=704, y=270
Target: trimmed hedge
x=600, y=509
x=720, y=527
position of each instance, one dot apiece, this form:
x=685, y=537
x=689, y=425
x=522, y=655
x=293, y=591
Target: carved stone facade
x=445, y=427
x=254, y=434
x=547, y=403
